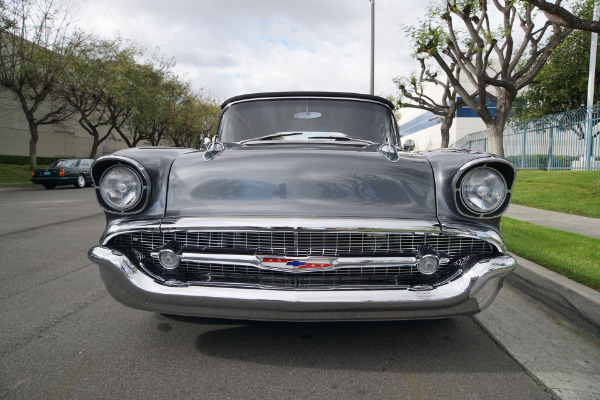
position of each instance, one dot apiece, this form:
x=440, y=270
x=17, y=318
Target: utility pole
x=590, y=94
x=372, y=46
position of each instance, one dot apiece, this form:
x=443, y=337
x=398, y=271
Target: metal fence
x=568, y=140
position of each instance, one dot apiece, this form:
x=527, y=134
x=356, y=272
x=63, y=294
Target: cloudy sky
x=231, y=47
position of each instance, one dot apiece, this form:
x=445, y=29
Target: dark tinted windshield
x=307, y=119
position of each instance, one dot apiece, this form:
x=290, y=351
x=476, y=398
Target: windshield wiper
x=343, y=138
x=272, y=136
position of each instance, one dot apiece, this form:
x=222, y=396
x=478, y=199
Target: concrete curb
x=17, y=188
x=575, y=302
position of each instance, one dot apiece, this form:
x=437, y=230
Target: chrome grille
x=219, y=273
x=301, y=244
x=305, y=244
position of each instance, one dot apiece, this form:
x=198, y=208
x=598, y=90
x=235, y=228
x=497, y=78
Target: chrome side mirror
x=408, y=145
x=205, y=142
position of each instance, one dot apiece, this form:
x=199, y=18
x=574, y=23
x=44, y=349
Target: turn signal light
x=429, y=259
x=61, y=173
x=168, y=259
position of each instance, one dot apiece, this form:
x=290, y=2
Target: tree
x=560, y=85
x=154, y=93
x=194, y=118
x=35, y=50
x=84, y=88
x=497, y=61
x=6, y=21
x=561, y=16
x=412, y=89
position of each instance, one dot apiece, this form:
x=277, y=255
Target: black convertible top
x=251, y=96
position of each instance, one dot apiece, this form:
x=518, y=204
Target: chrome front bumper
x=472, y=291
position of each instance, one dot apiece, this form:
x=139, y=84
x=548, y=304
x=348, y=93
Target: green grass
x=15, y=175
x=574, y=256
x=572, y=192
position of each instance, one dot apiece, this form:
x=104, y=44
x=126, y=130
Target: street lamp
x=372, y=46
x=590, y=93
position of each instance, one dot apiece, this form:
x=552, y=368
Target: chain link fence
x=567, y=141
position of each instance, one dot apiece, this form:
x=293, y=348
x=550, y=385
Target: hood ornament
x=389, y=151
x=213, y=149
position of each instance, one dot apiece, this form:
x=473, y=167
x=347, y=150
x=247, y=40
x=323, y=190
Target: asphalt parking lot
x=63, y=336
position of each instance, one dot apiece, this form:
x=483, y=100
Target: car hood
x=301, y=182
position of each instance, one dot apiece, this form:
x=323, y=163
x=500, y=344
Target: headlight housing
x=483, y=190
x=121, y=188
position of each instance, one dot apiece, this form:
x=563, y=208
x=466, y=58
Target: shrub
x=540, y=161
x=24, y=160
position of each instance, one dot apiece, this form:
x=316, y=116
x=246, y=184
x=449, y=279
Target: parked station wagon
x=306, y=206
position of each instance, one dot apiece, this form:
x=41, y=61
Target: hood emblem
x=213, y=149
x=389, y=151
x=301, y=264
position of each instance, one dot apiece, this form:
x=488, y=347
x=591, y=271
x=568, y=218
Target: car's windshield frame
x=338, y=120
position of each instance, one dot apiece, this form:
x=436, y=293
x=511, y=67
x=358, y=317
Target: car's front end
x=303, y=226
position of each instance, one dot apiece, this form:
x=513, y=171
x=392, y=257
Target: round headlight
x=483, y=190
x=121, y=188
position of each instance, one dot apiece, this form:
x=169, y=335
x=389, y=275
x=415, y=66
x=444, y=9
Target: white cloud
x=230, y=47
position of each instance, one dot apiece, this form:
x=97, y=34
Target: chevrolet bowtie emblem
x=301, y=264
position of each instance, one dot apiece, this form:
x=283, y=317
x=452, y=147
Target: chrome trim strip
x=471, y=291
x=298, y=224
x=359, y=262
x=305, y=98
x=336, y=263
x=481, y=160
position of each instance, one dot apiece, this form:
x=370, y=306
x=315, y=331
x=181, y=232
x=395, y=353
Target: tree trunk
x=33, y=130
x=95, y=144
x=445, y=130
x=124, y=137
x=495, y=144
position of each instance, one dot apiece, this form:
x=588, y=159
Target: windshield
x=64, y=164
x=307, y=119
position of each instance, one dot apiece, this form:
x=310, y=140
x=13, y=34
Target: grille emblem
x=304, y=264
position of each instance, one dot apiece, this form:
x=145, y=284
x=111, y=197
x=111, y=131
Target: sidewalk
x=564, y=222
x=575, y=302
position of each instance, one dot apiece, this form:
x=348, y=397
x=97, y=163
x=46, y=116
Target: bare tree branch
x=561, y=16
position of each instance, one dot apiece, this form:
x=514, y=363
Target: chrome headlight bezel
x=131, y=192
x=505, y=172
x=108, y=164
x=467, y=201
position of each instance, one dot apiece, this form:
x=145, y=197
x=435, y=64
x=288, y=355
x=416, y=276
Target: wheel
x=49, y=186
x=80, y=182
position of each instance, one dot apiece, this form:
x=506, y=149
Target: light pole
x=372, y=46
x=590, y=93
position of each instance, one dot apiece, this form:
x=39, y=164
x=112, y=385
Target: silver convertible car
x=306, y=206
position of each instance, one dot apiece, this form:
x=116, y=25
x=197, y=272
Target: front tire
x=80, y=183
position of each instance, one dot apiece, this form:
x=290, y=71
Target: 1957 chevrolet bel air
x=304, y=207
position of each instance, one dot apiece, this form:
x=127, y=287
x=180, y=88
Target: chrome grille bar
x=304, y=244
